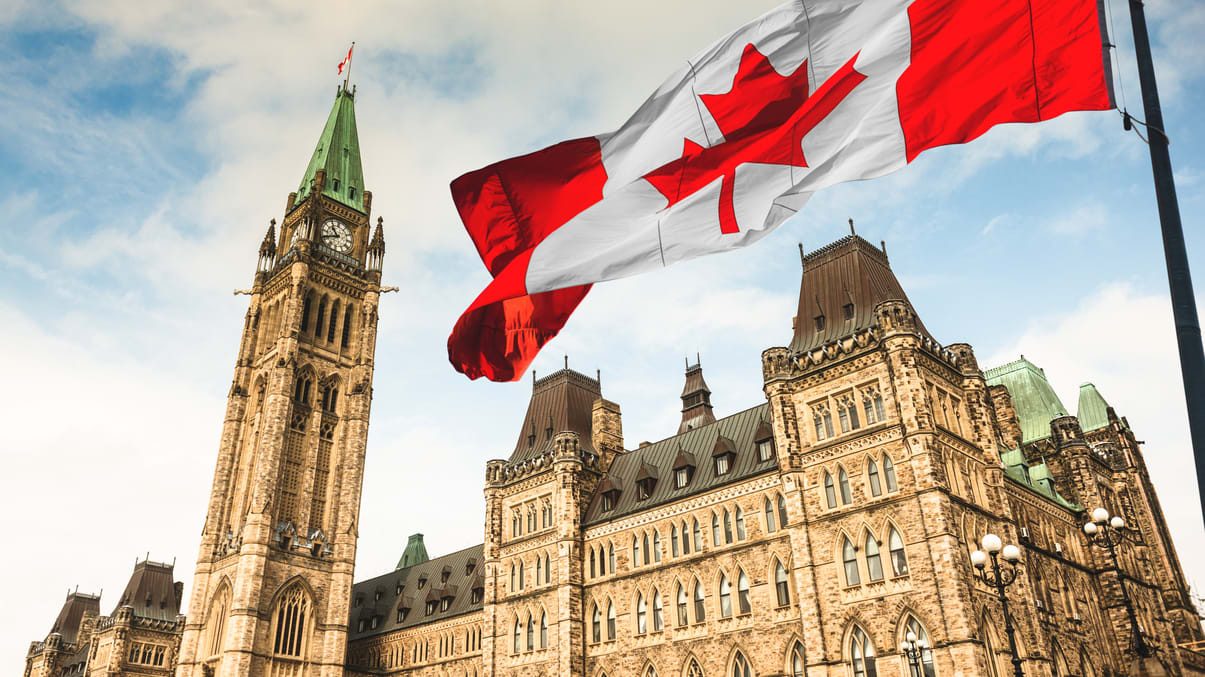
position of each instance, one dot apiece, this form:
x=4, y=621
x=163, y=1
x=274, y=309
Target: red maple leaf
x=763, y=118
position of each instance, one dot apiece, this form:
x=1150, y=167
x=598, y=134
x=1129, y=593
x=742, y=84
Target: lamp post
x=1000, y=578
x=1108, y=532
x=912, y=648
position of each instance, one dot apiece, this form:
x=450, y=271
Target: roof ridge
x=702, y=427
x=568, y=374
x=857, y=240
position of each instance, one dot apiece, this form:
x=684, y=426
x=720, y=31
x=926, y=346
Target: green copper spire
x=1035, y=401
x=415, y=553
x=338, y=154
x=1093, y=411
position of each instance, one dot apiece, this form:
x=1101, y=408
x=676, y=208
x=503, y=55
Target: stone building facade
x=807, y=534
x=140, y=637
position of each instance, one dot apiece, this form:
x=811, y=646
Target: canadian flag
x=814, y=93
x=347, y=59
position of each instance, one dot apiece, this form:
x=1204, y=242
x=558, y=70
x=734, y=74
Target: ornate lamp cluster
x=913, y=649
x=1108, y=532
x=1000, y=578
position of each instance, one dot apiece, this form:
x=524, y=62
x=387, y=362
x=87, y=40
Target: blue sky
x=145, y=148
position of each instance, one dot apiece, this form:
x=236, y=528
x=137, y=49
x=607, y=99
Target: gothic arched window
x=656, y=546
x=673, y=541
x=658, y=615
x=681, y=602
x=518, y=643
x=693, y=669
x=610, y=620
x=926, y=667
x=872, y=478
x=895, y=545
x=611, y=558
x=849, y=557
x=861, y=654
x=725, y=597
x=830, y=490
x=218, y=610
x=795, y=661
x=740, y=666
x=531, y=632
x=782, y=588
x=700, y=609
x=889, y=473
x=292, y=616
x=743, y=605
x=771, y=526
x=847, y=496
x=641, y=614
x=346, y=328
x=320, y=317
x=596, y=625
x=697, y=535
x=874, y=562
x=782, y=511
x=330, y=331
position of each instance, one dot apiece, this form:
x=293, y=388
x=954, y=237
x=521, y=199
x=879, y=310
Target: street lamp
x=1000, y=579
x=1108, y=533
x=912, y=648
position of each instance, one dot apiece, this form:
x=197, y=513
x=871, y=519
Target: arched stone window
x=795, y=661
x=740, y=524
x=641, y=614
x=847, y=496
x=330, y=331
x=610, y=620
x=989, y=647
x=645, y=556
x=674, y=549
x=347, y=317
x=518, y=643
x=650, y=671
x=782, y=588
x=635, y=551
x=889, y=473
x=741, y=666
x=693, y=669
x=683, y=619
x=727, y=526
x=292, y=622
x=771, y=523
x=725, y=596
x=782, y=511
x=861, y=654
x=872, y=478
x=656, y=547
x=743, y=604
x=697, y=535
x=547, y=569
x=849, y=557
x=531, y=632
x=216, y=620
x=611, y=558
x=895, y=545
x=596, y=625
x=320, y=317
x=874, y=562
x=830, y=490
x=700, y=609
x=715, y=529
x=658, y=614
x=926, y=667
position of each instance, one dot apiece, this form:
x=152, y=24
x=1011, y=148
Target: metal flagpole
x=1184, y=305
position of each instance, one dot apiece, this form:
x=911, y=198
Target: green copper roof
x=1036, y=478
x=415, y=553
x=1034, y=399
x=338, y=153
x=1093, y=411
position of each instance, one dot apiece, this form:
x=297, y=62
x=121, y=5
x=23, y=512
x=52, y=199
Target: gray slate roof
x=152, y=592
x=740, y=429
x=459, y=585
x=563, y=401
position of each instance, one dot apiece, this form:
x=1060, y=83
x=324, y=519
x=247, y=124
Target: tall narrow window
x=782, y=588
x=740, y=524
x=645, y=555
x=843, y=480
x=889, y=472
x=641, y=614
x=796, y=662
x=771, y=525
x=518, y=644
x=861, y=654
x=895, y=545
x=673, y=541
x=539, y=569
x=725, y=597
x=611, y=558
x=874, y=563
x=693, y=670
x=830, y=490
x=318, y=325
x=715, y=529
x=610, y=621
x=743, y=604
x=635, y=551
x=681, y=596
x=521, y=581
x=306, y=307
x=596, y=625
x=346, y=328
x=727, y=526
x=292, y=614
x=656, y=547
x=926, y=653
x=531, y=633
x=872, y=477
x=330, y=329
x=849, y=558
x=658, y=615
x=547, y=569
x=782, y=511
x=700, y=609
x=740, y=666
x=593, y=568
x=697, y=535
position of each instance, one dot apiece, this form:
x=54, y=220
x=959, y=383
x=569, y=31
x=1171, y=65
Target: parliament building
x=827, y=529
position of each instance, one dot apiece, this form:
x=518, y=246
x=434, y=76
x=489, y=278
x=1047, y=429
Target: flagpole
x=1184, y=305
x=351, y=55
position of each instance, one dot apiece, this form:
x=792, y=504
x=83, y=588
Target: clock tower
x=274, y=573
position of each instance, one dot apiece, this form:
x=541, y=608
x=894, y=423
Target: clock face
x=336, y=236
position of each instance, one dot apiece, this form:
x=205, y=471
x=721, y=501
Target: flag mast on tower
x=346, y=63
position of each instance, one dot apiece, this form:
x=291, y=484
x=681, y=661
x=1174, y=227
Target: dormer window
x=422, y=581
x=469, y=566
x=351, y=192
x=684, y=468
x=765, y=450
x=847, y=311
x=477, y=595
x=646, y=481
x=681, y=477
x=819, y=320
x=610, y=493
x=763, y=441
x=401, y=615
x=444, y=575
x=431, y=606
x=359, y=601
x=335, y=185
x=375, y=621
x=398, y=590
x=723, y=455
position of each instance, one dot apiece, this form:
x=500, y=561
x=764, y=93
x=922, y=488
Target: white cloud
x=1123, y=341
x=1080, y=220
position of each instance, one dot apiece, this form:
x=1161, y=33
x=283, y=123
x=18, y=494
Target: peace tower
x=274, y=572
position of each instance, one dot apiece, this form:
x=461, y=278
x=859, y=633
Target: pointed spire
x=1092, y=410
x=267, y=248
x=335, y=167
x=696, y=399
x=415, y=552
x=376, y=246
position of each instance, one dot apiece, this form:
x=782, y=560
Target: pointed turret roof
x=1033, y=398
x=72, y=614
x=152, y=591
x=696, y=400
x=563, y=401
x=1093, y=410
x=415, y=552
x=842, y=283
x=338, y=155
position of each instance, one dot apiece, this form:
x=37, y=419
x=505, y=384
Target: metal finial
x=883, y=246
x=698, y=360
x=851, y=227
x=566, y=361
x=801, y=255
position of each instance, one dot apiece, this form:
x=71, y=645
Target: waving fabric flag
x=814, y=93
